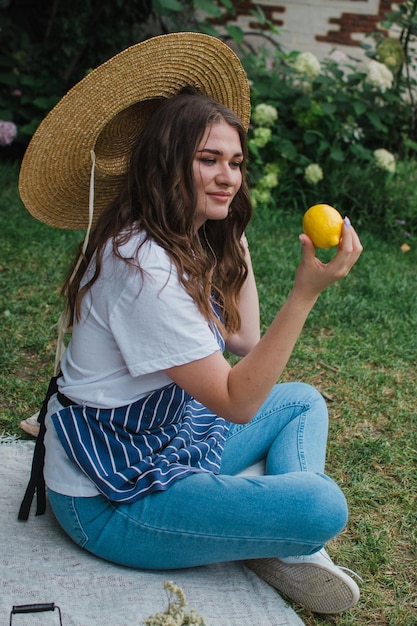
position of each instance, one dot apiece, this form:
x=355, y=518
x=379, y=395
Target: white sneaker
x=313, y=581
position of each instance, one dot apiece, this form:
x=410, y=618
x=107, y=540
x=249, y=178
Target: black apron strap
x=36, y=481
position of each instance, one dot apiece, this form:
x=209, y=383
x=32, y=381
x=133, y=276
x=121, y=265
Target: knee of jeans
x=313, y=396
x=326, y=506
x=302, y=392
x=332, y=505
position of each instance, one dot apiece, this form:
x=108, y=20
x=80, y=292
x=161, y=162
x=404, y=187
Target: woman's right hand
x=313, y=276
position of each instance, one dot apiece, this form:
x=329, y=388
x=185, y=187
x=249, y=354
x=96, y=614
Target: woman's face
x=217, y=172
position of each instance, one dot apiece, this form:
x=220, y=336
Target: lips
x=219, y=196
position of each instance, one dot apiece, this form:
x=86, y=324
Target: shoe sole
x=311, y=585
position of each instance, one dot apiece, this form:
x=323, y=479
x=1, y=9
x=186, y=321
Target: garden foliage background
x=341, y=131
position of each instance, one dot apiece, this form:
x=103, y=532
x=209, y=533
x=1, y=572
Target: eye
x=207, y=160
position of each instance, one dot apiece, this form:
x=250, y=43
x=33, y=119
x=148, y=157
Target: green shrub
x=338, y=131
x=336, y=137
x=48, y=46
x=341, y=130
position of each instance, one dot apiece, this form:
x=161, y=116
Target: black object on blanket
x=35, y=608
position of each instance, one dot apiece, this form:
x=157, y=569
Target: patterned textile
x=143, y=447
x=140, y=448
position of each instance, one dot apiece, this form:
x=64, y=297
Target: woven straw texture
x=106, y=111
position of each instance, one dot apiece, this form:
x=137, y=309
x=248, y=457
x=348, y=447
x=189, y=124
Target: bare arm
x=236, y=393
x=247, y=337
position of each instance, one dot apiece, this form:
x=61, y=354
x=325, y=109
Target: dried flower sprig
x=175, y=614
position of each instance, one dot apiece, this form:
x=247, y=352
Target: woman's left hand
x=313, y=276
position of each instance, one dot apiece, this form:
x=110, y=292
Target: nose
x=225, y=175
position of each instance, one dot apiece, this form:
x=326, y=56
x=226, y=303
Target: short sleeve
x=155, y=323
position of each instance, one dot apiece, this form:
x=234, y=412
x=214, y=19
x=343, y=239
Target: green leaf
x=236, y=33
x=28, y=81
x=359, y=108
x=161, y=6
x=376, y=122
x=410, y=144
x=29, y=129
x=359, y=151
x=8, y=79
x=329, y=108
x=323, y=146
x=6, y=115
x=228, y=4
x=45, y=103
x=336, y=154
x=208, y=29
x=259, y=15
x=254, y=149
x=310, y=137
x=208, y=7
x=288, y=149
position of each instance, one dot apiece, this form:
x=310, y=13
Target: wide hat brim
x=106, y=111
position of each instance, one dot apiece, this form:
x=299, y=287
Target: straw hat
x=105, y=112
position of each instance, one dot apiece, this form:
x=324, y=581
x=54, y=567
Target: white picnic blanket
x=39, y=564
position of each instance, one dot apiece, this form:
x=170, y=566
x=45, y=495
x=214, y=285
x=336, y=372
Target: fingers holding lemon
x=323, y=224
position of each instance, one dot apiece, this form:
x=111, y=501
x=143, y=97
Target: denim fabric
x=204, y=518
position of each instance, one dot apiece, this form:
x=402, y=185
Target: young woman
x=152, y=427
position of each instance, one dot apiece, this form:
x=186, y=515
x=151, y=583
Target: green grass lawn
x=358, y=347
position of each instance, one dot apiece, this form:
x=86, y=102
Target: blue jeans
x=205, y=518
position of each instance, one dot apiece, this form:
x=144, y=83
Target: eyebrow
x=218, y=152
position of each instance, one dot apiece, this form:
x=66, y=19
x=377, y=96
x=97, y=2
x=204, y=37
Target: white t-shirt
x=132, y=328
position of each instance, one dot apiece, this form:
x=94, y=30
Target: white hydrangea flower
x=265, y=115
x=385, y=160
x=269, y=181
x=378, y=75
x=261, y=136
x=313, y=173
x=308, y=65
x=351, y=132
x=272, y=167
x=260, y=197
x=391, y=52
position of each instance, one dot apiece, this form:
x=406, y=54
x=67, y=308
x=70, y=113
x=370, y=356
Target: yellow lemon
x=323, y=224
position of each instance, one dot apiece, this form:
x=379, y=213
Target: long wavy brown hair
x=159, y=199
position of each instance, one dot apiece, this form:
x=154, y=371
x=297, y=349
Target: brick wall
x=318, y=26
